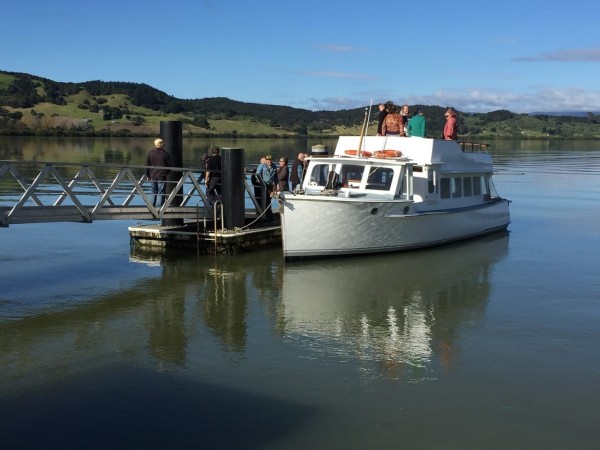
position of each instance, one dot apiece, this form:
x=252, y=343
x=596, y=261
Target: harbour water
x=491, y=343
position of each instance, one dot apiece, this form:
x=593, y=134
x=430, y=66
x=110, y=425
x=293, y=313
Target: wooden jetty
x=201, y=237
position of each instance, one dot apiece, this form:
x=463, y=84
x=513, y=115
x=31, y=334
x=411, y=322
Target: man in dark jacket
x=213, y=175
x=157, y=162
x=297, y=171
x=382, y=113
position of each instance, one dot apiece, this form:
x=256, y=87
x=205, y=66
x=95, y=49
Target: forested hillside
x=31, y=105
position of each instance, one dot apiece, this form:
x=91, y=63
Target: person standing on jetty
x=157, y=162
x=212, y=177
x=268, y=174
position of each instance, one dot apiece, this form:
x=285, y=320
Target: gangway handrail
x=83, y=192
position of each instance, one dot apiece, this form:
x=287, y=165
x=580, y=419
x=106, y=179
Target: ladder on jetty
x=37, y=192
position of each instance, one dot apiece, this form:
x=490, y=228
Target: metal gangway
x=36, y=192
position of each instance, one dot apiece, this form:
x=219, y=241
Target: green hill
x=32, y=105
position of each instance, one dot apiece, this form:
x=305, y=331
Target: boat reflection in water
x=393, y=313
x=390, y=315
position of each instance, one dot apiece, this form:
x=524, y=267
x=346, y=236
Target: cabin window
x=380, y=178
x=456, y=187
x=445, y=187
x=476, y=185
x=468, y=186
x=351, y=175
x=431, y=181
x=318, y=175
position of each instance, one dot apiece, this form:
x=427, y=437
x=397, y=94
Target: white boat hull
x=330, y=226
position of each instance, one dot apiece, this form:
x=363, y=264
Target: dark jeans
x=212, y=193
x=269, y=213
x=159, y=187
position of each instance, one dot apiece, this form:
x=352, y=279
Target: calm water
x=491, y=343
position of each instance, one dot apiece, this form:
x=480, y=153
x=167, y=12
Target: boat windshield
x=351, y=175
x=356, y=176
x=380, y=178
x=318, y=174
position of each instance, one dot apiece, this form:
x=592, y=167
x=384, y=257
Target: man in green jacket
x=416, y=124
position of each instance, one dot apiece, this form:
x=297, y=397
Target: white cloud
x=340, y=48
x=341, y=75
x=544, y=99
x=586, y=55
x=480, y=100
x=332, y=103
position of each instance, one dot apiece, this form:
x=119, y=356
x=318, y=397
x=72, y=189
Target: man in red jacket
x=451, y=128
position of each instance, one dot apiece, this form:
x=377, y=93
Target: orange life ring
x=388, y=154
x=355, y=153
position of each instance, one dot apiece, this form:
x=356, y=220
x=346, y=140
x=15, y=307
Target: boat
x=389, y=193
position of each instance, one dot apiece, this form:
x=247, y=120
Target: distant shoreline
x=35, y=106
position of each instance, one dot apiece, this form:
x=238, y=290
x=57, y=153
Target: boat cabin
x=431, y=173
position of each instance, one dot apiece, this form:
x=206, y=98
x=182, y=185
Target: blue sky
x=478, y=56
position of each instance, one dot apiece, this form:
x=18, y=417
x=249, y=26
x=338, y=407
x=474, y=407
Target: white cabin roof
x=421, y=151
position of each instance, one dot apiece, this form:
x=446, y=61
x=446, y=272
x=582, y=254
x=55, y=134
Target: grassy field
x=82, y=114
x=5, y=80
x=51, y=116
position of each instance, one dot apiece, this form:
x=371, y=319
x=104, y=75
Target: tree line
x=27, y=91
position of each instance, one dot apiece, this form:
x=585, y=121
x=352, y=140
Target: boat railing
x=474, y=147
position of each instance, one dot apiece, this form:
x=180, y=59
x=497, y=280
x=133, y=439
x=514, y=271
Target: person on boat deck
x=393, y=123
x=283, y=175
x=269, y=177
x=416, y=124
x=382, y=113
x=297, y=170
x=212, y=178
x=305, y=161
x=405, y=113
x=158, y=157
x=451, y=127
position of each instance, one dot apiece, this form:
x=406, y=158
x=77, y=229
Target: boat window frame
x=477, y=186
x=445, y=191
x=382, y=171
x=460, y=186
x=431, y=184
x=356, y=182
x=467, y=186
x=375, y=178
x=456, y=184
x=323, y=175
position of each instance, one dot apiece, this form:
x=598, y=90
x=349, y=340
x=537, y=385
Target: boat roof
x=420, y=151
